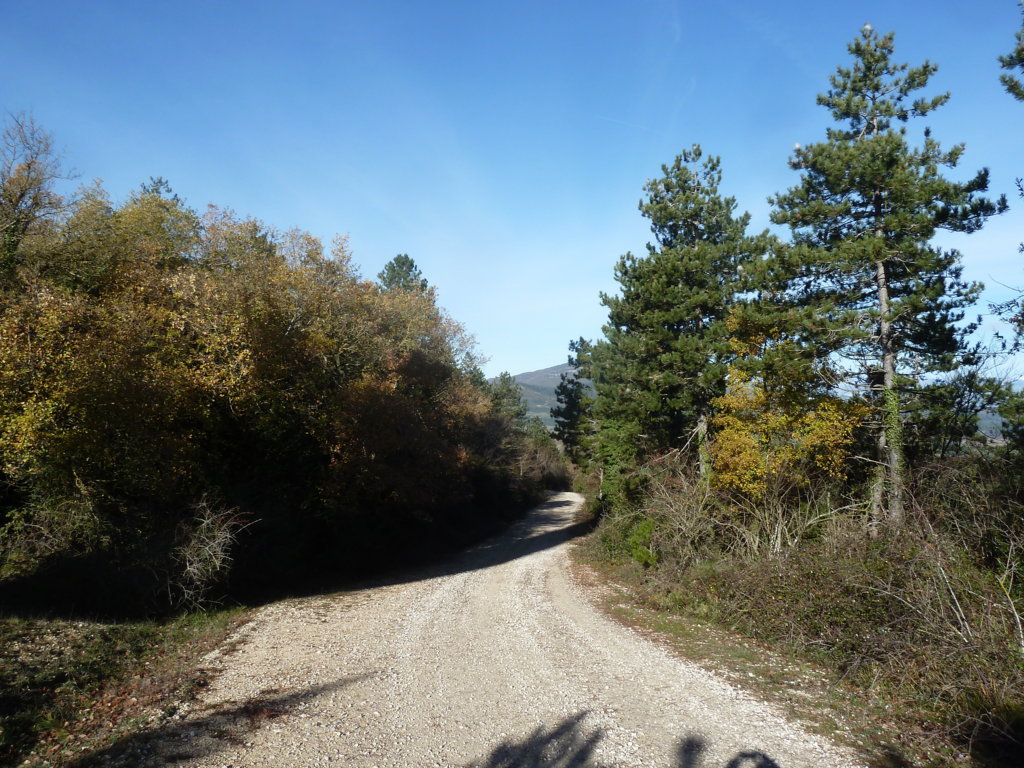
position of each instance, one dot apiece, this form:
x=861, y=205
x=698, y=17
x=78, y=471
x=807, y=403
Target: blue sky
x=502, y=145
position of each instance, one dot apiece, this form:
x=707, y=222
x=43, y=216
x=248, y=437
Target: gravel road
x=494, y=659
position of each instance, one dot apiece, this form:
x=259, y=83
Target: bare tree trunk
x=877, y=496
x=703, y=456
x=887, y=496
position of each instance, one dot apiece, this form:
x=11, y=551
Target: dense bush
x=187, y=400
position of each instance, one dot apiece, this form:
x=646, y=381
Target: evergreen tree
x=1014, y=61
x=573, y=413
x=666, y=349
x=1014, y=309
x=871, y=286
x=507, y=399
x=402, y=274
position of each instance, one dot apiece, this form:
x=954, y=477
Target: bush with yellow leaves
x=765, y=444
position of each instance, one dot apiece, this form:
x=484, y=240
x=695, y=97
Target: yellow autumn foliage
x=763, y=441
x=152, y=359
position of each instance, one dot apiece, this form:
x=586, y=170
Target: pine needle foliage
x=573, y=414
x=862, y=277
x=1014, y=62
x=666, y=349
x=402, y=274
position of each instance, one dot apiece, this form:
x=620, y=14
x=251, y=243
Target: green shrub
x=639, y=542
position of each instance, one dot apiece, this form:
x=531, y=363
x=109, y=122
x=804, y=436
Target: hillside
x=539, y=390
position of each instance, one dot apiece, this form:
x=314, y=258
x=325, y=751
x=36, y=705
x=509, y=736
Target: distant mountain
x=991, y=424
x=539, y=390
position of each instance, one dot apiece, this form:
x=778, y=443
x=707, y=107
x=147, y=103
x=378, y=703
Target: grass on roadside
x=921, y=622
x=68, y=688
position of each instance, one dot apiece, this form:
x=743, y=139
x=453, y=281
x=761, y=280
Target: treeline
x=193, y=402
x=783, y=433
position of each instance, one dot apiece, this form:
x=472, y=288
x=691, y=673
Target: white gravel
x=496, y=659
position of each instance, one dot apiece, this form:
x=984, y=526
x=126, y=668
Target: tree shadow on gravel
x=195, y=737
x=571, y=745
x=567, y=745
x=96, y=588
x=543, y=528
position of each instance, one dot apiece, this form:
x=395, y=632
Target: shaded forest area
x=193, y=404
x=783, y=433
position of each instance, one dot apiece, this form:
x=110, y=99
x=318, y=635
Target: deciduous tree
x=29, y=167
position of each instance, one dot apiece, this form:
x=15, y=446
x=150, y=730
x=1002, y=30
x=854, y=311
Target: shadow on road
x=570, y=745
x=566, y=745
x=546, y=526
x=197, y=737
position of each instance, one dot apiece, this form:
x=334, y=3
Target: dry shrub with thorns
x=204, y=556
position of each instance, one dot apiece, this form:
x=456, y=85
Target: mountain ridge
x=539, y=390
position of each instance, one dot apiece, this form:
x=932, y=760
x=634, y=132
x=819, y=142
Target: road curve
x=494, y=659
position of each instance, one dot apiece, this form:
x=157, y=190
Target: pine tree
x=871, y=286
x=1014, y=309
x=1014, y=61
x=666, y=349
x=402, y=274
x=507, y=399
x=574, y=411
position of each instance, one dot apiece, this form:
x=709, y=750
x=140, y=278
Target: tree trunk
x=703, y=456
x=887, y=496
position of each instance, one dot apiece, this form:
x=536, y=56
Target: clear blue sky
x=502, y=145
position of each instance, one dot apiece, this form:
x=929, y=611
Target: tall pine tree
x=402, y=274
x=1013, y=62
x=666, y=350
x=574, y=412
x=872, y=286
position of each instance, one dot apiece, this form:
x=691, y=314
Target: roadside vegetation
x=74, y=687
x=782, y=434
x=192, y=402
x=199, y=410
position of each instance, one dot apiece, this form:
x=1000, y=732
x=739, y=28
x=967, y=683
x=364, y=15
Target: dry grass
x=927, y=618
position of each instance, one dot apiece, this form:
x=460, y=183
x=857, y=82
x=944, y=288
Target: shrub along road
x=496, y=658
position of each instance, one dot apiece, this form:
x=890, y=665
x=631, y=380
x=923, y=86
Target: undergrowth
x=926, y=616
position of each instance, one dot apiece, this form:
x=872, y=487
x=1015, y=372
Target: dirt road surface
x=494, y=659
